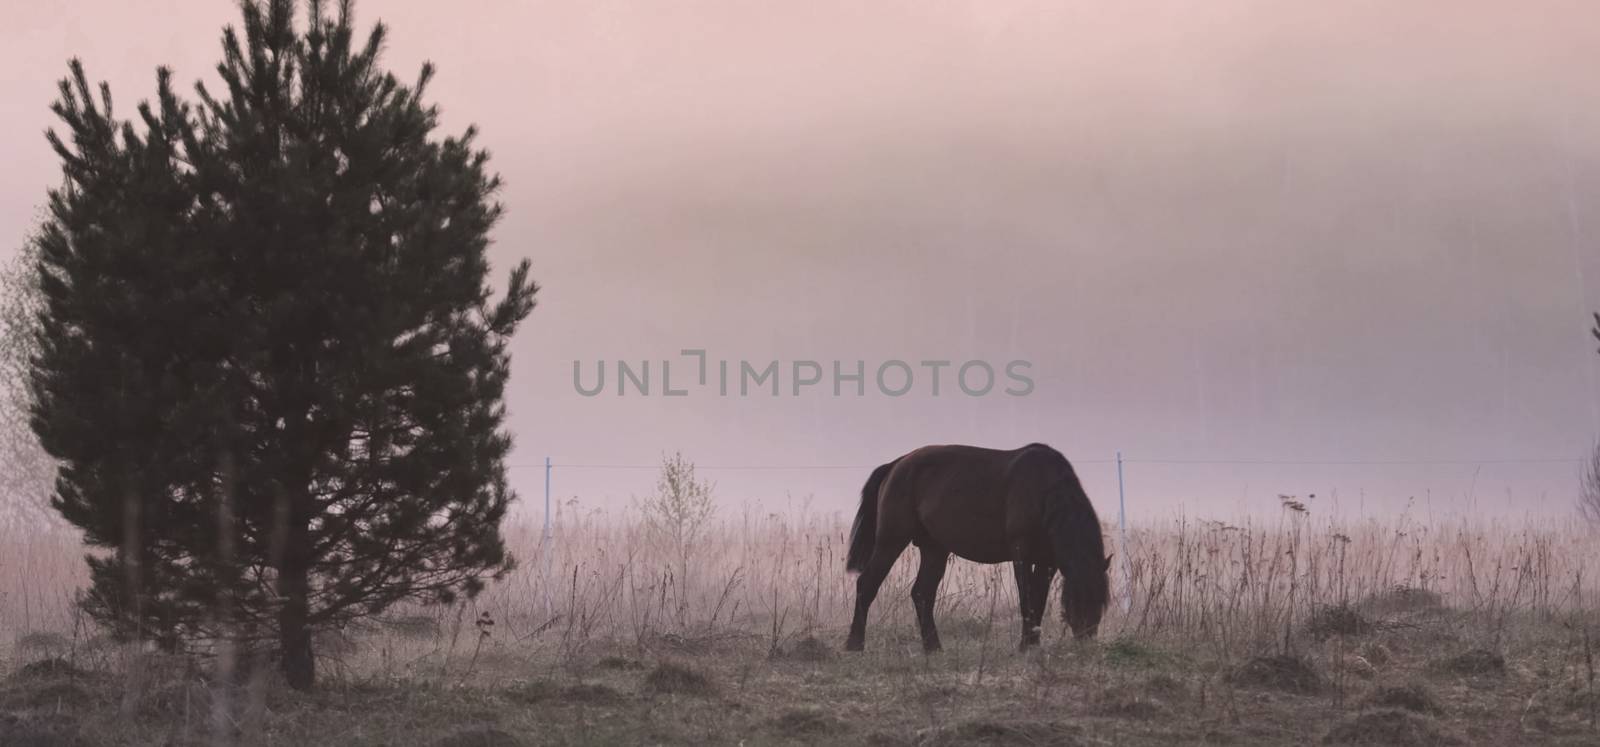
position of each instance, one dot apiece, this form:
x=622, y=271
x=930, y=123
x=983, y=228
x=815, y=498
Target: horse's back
x=979, y=468
x=965, y=499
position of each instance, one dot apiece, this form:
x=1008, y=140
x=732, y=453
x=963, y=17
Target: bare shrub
x=52, y=667
x=673, y=678
x=1199, y=591
x=1338, y=620
x=1474, y=662
x=43, y=645
x=1589, y=489
x=807, y=649
x=27, y=473
x=1284, y=672
x=676, y=517
x=1403, y=599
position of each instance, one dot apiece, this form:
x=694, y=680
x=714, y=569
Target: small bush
x=1338, y=620
x=1390, y=727
x=1359, y=666
x=1285, y=673
x=167, y=698
x=1165, y=686
x=1403, y=599
x=677, y=516
x=55, y=666
x=1127, y=652
x=1474, y=662
x=43, y=643
x=670, y=678
x=685, y=645
x=809, y=648
x=1411, y=697
x=51, y=696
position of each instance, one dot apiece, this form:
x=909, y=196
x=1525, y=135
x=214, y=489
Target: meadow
x=1287, y=628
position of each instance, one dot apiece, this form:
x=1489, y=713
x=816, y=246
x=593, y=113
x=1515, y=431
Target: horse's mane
x=1074, y=529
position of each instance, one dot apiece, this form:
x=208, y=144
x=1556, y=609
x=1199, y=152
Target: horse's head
x=1085, y=591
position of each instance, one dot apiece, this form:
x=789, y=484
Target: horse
x=989, y=506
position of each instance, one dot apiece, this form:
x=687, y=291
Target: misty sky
x=1260, y=231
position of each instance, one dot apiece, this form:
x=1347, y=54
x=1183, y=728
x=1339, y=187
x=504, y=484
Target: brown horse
x=988, y=506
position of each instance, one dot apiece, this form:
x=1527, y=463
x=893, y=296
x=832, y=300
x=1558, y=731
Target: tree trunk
x=294, y=633
x=299, y=663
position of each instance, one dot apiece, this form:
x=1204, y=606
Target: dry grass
x=1293, y=629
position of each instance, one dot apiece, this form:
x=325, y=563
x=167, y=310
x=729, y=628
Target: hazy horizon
x=1352, y=234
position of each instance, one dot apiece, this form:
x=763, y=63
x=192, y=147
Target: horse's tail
x=864, y=532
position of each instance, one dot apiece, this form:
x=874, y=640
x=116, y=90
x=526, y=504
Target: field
x=1291, y=629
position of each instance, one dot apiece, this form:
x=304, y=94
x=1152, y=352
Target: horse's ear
x=1107, y=566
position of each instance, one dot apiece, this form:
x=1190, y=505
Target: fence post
x=1122, y=527
x=544, y=543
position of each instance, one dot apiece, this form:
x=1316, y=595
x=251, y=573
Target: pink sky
x=1224, y=231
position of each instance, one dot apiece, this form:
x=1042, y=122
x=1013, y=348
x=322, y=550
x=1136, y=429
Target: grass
x=672, y=678
x=1390, y=727
x=1245, y=633
x=1475, y=661
x=1414, y=697
x=1127, y=651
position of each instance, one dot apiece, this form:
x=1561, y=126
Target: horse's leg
x=1038, y=582
x=883, y=557
x=925, y=590
x=1024, y=599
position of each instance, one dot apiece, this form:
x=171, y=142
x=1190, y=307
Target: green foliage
x=268, y=360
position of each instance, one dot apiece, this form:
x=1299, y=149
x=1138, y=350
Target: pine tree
x=270, y=363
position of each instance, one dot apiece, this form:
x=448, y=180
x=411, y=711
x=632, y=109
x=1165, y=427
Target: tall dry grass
x=1239, y=587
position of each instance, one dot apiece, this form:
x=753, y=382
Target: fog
x=1343, y=249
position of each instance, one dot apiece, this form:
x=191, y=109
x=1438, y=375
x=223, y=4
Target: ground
x=1350, y=676
x=1296, y=630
